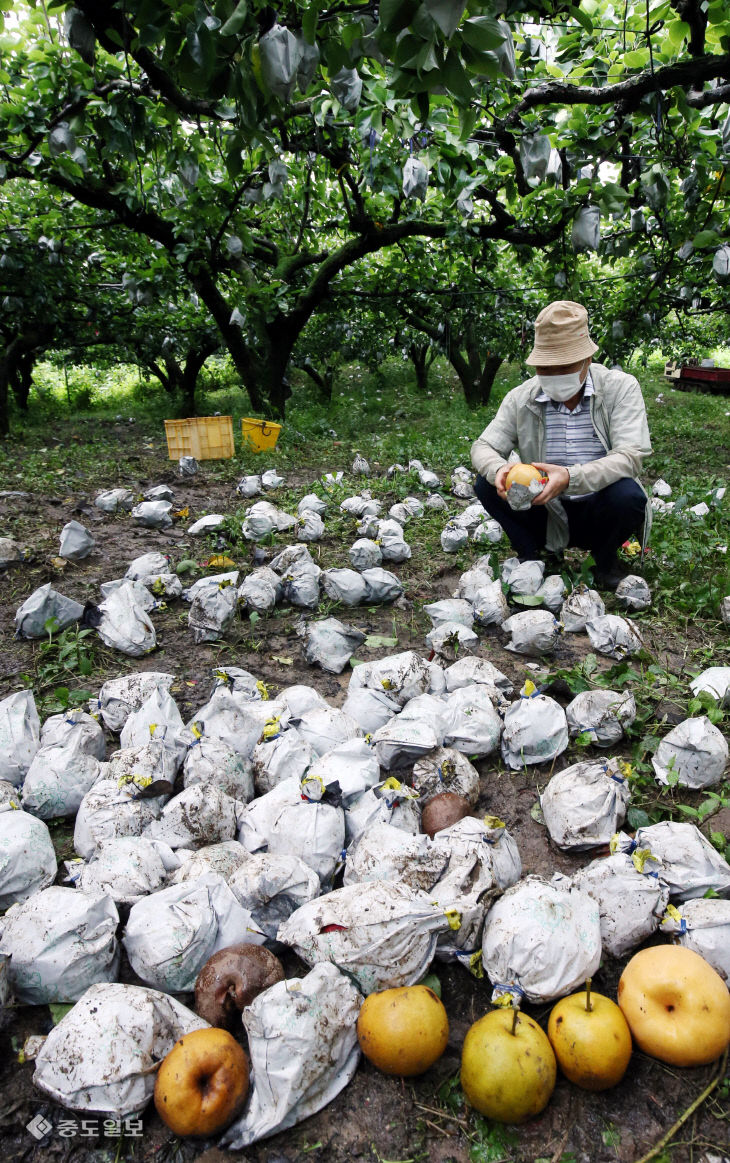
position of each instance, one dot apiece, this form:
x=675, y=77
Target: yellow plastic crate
x=259, y=435
x=204, y=437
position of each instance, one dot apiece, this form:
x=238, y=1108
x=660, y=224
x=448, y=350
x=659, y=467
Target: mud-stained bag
x=400, y=676
x=490, y=605
x=390, y=802
x=633, y=593
x=110, y=500
x=690, y=866
x=60, y=942
x=42, y=605
x=119, y=697
x=445, y=770
x=304, y=1050
x=27, y=857
x=480, y=671
x=170, y=935
x=704, y=927
x=352, y=765
x=533, y=632
x=535, y=729
x=693, y=754
x=364, y=554
x=450, y=610
x=282, y=756
x=631, y=898
x=125, y=868
x=451, y=640
x=124, y=625
x=385, y=852
x=212, y=612
x=381, y=934
x=198, y=816
x=271, y=886
x=297, y=818
x=146, y=564
x=580, y=606
x=617, y=637
x=214, y=763
x=714, y=681
x=76, y=542
x=584, y=804
x=331, y=644
x=58, y=779
x=103, y=1055
x=108, y=810
x=310, y=526
x=370, y=709
x=382, y=586
x=153, y=514
x=344, y=585
x=540, y=942
x=472, y=724
x=20, y=736
x=601, y=715
x=453, y=537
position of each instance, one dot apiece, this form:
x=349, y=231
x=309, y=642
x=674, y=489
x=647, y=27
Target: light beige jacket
x=619, y=418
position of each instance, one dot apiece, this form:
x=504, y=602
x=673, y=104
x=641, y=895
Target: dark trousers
x=599, y=523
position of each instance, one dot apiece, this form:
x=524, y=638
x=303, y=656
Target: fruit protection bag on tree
x=617, y=637
x=586, y=232
x=601, y=715
x=580, y=607
x=124, y=625
x=533, y=632
x=535, y=729
x=693, y=754
x=102, y=1056
x=690, y=866
x=20, y=736
x=380, y=934
x=60, y=941
x=43, y=604
x=721, y=264
x=630, y=896
x=347, y=88
x=415, y=179
x=303, y=1047
x=535, y=152
x=540, y=942
x=27, y=857
x=171, y=934
x=584, y=804
x=704, y=927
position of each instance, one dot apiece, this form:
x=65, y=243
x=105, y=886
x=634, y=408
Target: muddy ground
x=376, y=1118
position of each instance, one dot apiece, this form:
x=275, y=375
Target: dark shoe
x=608, y=576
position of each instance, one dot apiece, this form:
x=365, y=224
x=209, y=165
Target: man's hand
x=499, y=478
x=558, y=481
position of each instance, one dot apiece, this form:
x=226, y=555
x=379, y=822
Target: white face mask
x=564, y=387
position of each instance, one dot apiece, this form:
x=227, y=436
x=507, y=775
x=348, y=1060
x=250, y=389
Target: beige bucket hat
x=561, y=334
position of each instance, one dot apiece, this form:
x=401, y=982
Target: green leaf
x=705, y=238
x=309, y=23
x=446, y=14
x=637, y=818
x=677, y=31
x=636, y=58
x=526, y=599
x=374, y=640
x=536, y=812
x=455, y=78
x=432, y=982
x=482, y=33
x=396, y=15
x=583, y=19
x=59, y=1010
x=236, y=20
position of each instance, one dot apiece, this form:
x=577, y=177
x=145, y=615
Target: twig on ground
x=665, y=1139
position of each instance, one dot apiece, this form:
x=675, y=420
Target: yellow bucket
x=259, y=434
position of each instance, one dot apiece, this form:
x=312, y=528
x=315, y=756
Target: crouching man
x=585, y=427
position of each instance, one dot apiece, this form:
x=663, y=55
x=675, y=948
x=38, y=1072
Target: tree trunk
x=418, y=354
x=4, y=381
x=22, y=379
x=324, y=380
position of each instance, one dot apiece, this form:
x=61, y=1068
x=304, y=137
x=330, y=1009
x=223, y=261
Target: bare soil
x=376, y=1118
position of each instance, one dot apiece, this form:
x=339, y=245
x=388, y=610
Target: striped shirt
x=570, y=437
